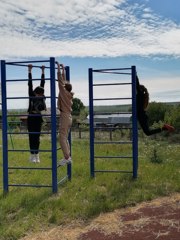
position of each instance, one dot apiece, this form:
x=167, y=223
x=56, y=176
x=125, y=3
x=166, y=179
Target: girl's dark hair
x=39, y=90
x=145, y=99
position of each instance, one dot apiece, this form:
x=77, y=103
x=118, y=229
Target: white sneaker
x=32, y=158
x=69, y=160
x=37, y=158
x=65, y=161
x=62, y=162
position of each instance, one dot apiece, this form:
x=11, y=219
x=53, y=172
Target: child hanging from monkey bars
x=142, y=100
x=65, y=101
x=34, y=120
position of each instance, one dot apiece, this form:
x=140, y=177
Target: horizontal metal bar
x=111, y=84
x=111, y=69
x=13, y=133
x=24, y=80
x=95, y=99
x=24, y=65
x=27, y=97
x=111, y=128
x=114, y=142
x=123, y=73
x=27, y=114
x=108, y=113
x=28, y=185
x=16, y=133
x=113, y=171
x=34, y=61
x=27, y=150
x=113, y=157
x=29, y=168
x=63, y=179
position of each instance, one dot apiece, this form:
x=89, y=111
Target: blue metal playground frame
x=54, y=185
x=126, y=71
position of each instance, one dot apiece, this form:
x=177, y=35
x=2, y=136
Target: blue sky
x=96, y=34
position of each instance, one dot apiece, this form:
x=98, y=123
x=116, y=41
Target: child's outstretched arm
x=30, y=84
x=42, y=76
x=63, y=72
x=61, y=75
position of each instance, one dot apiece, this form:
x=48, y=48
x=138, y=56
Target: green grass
x=25, y=210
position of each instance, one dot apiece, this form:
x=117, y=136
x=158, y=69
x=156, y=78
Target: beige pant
x=65, y=123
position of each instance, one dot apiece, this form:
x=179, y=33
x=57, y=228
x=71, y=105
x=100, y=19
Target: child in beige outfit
x=65, y=102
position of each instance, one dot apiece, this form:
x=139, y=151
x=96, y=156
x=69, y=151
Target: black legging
x=34, y=124
x=143, y=121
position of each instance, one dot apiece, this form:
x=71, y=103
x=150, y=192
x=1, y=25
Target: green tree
x=77, y=106
x=156, y=112
x=173, y=117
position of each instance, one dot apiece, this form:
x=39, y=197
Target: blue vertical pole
x=4, y=126
x=69, y=167
x=134, y=123
x=91, y=123
x=53, y=124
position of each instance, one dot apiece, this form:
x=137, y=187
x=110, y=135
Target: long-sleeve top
x=65, y=97
x=141, y=98
x=31, y=91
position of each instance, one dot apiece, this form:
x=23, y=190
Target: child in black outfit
x=142, y=99
x=34, y=120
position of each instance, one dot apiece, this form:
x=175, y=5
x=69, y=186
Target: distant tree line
x=158, y=113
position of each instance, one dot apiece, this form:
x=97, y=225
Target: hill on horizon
x=121, y=108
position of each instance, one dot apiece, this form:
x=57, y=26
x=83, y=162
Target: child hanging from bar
x=65, y=101
x=34, y=120
x=142, y=100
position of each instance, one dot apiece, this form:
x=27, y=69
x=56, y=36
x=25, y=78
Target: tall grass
x=25, y=210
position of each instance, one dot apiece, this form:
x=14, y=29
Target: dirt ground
x=158, y=219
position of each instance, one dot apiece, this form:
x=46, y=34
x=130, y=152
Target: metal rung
x=22, y=80
x=24, y=97
x=63, y=179
x=13, y=133
x=28, y=185
x=97, y=99
x=31, y=168
x=108, y=113
x=113, y=142
x=27, y=150
x=111, y=84
x=114, y=171
x=112, y=157
x=111, y=69
x=111, y=128
x=22, y=62
x=27, y=114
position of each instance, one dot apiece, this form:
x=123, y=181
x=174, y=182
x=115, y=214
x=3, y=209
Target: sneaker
x=37, y=158
x=69, y=160
x=65, y=161
x=62, y=162
x=168, y=128
x=32, y=158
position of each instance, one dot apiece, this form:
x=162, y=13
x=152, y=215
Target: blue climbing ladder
x=96, y=82
x=53, y=150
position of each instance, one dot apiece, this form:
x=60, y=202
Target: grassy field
x=25, y=210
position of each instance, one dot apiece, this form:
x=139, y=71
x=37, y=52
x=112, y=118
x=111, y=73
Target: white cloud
x=84, y=28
